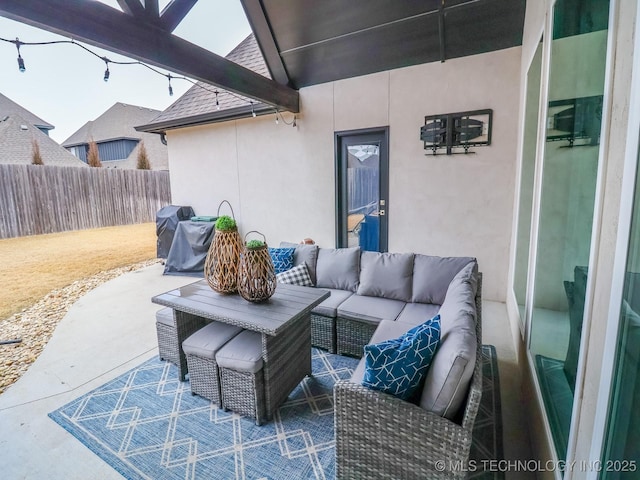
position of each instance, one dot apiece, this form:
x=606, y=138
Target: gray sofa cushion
x=165, y=316
x=243, y=353
x=417, y=313
x=209, y=339
x=338, y=268
x=447, y=381
x=387, y=330
x=387, y=275
x=432, y=276
x=307, y=254
x=329, y=307
x=370, y=309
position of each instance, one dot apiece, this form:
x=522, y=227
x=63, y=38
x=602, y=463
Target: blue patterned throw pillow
x=398, y=366
x=282, y=258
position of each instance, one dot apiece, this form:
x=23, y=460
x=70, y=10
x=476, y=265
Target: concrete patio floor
x=111, y=330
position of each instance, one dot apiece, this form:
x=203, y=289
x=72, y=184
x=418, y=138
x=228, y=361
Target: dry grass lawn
x=31, y=267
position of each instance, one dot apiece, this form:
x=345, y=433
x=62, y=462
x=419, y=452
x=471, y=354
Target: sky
x=63, y=84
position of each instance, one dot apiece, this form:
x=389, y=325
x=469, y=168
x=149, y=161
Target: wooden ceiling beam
x=173, y=13
x=100, y=25
x=131, y=7
x=257, y=17
x=152, y=10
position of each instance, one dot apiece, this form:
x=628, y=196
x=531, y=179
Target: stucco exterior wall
x=281, y=181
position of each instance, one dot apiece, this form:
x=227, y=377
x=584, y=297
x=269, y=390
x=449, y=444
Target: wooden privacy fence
x=37, y=199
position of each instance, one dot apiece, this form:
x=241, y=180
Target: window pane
x=570, y=165
x=529, y=147
x=363, y=196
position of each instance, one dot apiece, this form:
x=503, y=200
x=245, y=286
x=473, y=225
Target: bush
x=93, y=156
x=143, y=158
x=35, y=153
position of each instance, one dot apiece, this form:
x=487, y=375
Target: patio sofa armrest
x=380, y=436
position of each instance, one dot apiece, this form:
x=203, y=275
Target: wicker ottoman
x=168, y=348
x=241, y=376
x=200, y=349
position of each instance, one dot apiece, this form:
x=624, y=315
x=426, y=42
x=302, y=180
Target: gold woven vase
x=256, y=274
x=223, y=257
x=221, y=265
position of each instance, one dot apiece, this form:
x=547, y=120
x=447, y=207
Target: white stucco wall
x=281, y=181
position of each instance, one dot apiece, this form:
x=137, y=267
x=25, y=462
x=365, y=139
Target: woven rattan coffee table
x=283, y=320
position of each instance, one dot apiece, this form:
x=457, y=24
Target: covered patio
x=100, y=339
x=542, y=194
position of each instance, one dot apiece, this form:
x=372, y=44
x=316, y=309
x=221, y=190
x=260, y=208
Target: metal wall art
x=456, y=132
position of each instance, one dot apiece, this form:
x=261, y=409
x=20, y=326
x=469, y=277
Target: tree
x=93, y=156
x=36, y=157
x=143, y=158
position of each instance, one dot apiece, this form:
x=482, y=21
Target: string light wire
x=21, y=65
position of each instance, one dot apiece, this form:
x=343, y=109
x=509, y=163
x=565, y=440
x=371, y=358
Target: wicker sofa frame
x=170, y=339
x=168, y=348
x=323, y=332
x=353, y=335
x=204, y=378
x=380, y=436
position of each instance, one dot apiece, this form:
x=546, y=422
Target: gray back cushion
x=447, y=383
x=338, y=268
x=432, y=276
x=387, y=275
x=307, y=254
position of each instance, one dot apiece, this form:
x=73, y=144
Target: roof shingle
x=16, y=144
x=201, y=98
x=9, y=107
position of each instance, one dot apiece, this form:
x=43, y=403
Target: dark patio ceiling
x=306, y=42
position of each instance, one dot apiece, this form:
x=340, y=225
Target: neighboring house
x=8, y=108
x=118, y=141
x=19, y=128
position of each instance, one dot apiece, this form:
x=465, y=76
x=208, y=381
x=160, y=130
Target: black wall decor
x=458, y=131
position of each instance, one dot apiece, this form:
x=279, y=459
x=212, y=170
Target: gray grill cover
x=189, y=249
x=167, y=220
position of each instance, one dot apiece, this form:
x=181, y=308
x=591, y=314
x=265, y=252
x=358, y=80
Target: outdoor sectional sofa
x=380, y=296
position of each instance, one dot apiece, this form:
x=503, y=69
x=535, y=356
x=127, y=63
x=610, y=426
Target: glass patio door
x=565, y=205
x=362, y=167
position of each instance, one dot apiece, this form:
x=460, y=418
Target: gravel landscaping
x=35, y=325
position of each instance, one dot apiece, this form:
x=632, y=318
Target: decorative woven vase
x=256, y=274
x=223, y=257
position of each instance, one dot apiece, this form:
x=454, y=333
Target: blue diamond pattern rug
x=147, y=425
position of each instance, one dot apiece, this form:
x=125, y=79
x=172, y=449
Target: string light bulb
x=217, y=102
x=277, y=122
x=253, y=112
x=294, y=124
x=170, y=87
x=106, y=72
x=21, y=66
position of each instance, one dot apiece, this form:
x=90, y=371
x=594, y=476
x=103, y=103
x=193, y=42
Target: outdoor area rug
x=147, y=425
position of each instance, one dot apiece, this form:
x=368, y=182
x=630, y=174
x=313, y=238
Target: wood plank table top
x=288, y=303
